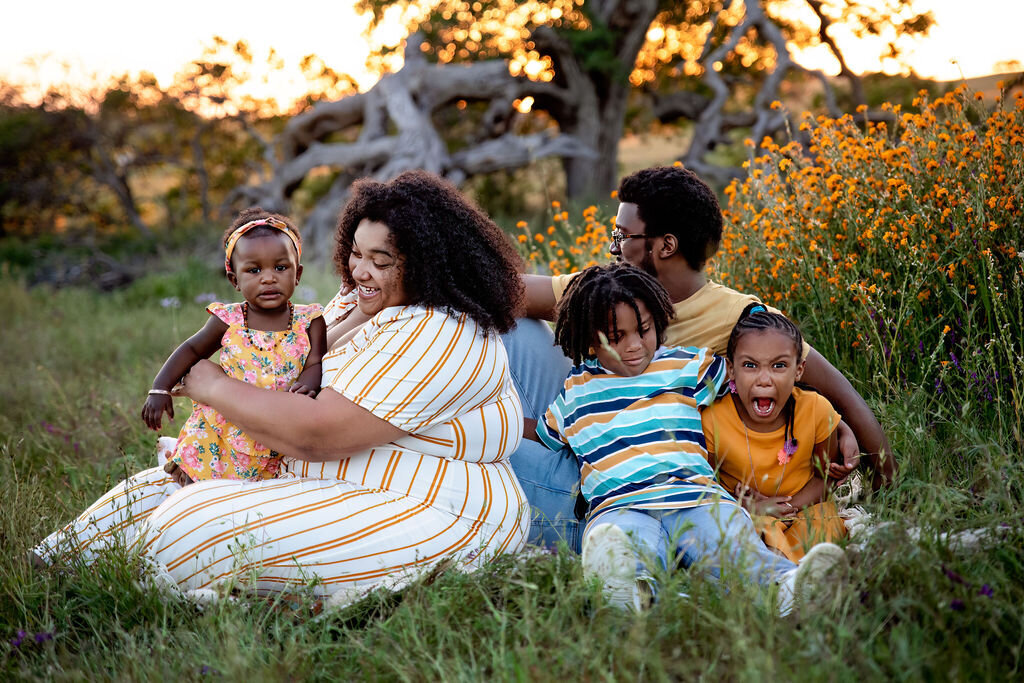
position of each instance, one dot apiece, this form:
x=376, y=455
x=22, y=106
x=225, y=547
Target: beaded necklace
x=249, y=333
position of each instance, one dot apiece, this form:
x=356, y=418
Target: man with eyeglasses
x=669, y=224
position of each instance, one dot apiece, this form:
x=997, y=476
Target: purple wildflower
x=17, y=640
x=205, y=298
x=952, y=575
x=957, y=605
x=43, y=637
x=985, y=590
x=956, y=363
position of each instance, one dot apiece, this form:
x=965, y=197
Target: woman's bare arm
x=308, y=381
x=324, y=429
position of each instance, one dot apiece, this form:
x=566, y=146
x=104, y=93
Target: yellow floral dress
x=210, y=447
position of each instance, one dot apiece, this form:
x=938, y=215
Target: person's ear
x=233, y=279
x=298, y=273
x=669, y=245
x=800, y=370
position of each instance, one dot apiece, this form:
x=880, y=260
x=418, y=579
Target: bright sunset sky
x=112, y=36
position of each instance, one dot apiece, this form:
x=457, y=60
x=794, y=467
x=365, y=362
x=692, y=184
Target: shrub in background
x=564, y=245
x=897, y=244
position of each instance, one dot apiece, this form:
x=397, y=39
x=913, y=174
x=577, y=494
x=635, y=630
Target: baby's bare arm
x=308, y=382
x=202, y=344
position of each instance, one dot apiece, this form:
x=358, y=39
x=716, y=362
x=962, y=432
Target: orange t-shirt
x=757, y=465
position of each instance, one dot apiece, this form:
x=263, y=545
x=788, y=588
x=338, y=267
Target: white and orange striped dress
x=380, y=517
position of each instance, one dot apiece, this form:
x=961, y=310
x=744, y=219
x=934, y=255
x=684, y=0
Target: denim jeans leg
x=721, y=532
x=644, y=530
x=537, y=366
x=550, y=480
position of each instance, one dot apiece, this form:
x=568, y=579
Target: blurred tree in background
x=717, y=64
x=478, y=87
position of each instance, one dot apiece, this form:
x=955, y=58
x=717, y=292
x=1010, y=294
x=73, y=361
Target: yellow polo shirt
x=705, y=319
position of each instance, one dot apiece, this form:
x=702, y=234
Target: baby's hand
x=154, y=408
x=304, y=389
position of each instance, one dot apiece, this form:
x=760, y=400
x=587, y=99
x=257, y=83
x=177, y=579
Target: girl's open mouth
x=763, y=407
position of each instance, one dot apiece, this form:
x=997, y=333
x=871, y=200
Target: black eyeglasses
x=619, y=237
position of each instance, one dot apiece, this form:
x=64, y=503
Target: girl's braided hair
x=757, y=318
x=588, y=306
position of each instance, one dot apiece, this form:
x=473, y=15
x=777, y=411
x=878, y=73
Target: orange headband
x=269, y=221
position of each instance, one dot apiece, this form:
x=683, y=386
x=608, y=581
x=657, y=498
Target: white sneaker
x=806, y=582
x=608, y=554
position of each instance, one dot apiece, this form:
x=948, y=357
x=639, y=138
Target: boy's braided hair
x=588, y=306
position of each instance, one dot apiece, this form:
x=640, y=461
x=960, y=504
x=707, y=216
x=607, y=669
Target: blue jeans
x=550, y=479
x=708, y=536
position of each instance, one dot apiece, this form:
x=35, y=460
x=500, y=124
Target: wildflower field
x=897, y=249
x=898, y=245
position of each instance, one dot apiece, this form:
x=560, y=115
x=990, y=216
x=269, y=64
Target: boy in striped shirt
x=630, y=411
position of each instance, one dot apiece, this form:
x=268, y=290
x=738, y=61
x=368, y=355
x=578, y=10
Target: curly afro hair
x=588, y=306
x=453, y=256
x=673, y=200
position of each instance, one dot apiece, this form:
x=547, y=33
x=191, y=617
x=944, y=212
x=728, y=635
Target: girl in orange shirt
x=771, y=442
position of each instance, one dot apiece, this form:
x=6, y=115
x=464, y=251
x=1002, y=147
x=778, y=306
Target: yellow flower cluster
x=565, y=246
x=891, y=228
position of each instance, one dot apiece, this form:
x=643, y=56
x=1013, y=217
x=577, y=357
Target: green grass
x=76, y=368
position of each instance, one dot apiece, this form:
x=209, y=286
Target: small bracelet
x=161, y=392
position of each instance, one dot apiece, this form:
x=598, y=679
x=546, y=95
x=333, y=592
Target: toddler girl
x=771, y=442
x=265, y=340
x=629, y=409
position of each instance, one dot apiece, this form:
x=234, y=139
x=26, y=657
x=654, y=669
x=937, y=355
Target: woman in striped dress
x=404, y=462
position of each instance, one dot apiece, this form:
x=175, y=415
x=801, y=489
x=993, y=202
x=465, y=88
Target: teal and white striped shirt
x=639, y=439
